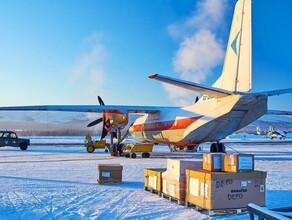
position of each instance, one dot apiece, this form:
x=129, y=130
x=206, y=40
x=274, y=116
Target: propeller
x=100, y=100
x=97, y=121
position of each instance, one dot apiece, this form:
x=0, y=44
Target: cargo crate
x=174, y=187
x=153, y=179
x=237, y=163
x=177, y=168
x=213, y=161
x=109, y=173
x=220, y=190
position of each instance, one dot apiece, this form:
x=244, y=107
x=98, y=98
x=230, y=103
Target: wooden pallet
x=170, y=198
x=154, y=191
x=212, y=212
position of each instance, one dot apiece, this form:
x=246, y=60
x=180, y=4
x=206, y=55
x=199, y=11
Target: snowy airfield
x=58, y=181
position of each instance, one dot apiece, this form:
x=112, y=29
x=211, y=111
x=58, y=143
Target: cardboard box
x=174, y=186
x=177, y=168
x=237, y=163
x=213, y=161
x=109, y=173
x=153, y=178
x=219, y=190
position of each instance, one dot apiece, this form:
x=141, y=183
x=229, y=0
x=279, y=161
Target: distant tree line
x=56, y=132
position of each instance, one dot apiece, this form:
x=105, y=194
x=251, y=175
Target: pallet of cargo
x=154, y=191
x=170, y=198
x=153, y=180
x=212, y=212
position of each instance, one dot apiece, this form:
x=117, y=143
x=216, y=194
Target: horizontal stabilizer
x=278, y=112
x=275, y=92
x=205, y=90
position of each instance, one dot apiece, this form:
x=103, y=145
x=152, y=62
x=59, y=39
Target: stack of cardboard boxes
x=227, y=181
x=174, y=178
x=221, y=181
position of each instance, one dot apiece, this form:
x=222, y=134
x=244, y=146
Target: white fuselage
x=211, y=119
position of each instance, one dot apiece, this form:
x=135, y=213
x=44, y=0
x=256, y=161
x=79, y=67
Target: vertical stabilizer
x=236, y=74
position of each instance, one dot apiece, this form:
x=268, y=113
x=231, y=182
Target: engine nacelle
x=115, y=119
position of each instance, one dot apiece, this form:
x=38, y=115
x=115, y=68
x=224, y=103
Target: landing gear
x=217, y=148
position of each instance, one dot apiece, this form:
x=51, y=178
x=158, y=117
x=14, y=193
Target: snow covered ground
x=59, y=182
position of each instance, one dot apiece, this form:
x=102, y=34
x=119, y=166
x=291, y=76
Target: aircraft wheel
x=90, y=149
x=191, y=148
x=221, y=148
x=133, y=155
x=214, y=148
x=23, y=146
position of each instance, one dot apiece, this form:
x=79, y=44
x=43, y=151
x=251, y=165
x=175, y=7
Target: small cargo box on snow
x=212, y=161
x=109, y=173
x=238, y=163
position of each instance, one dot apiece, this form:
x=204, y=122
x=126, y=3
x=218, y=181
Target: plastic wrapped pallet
x=177, y=168
x=174, y=178
x=174, y=187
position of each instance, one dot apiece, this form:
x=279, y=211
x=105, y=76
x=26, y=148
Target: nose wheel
x=217, y=148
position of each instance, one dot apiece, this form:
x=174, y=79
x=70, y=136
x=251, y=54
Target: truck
x=10, y=138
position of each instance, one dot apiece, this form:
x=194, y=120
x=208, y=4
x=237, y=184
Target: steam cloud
x=88, y=71
x=200, y=49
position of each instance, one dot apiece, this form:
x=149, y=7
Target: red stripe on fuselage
x=165, y=125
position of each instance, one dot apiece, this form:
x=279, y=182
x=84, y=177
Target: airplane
x=225, y=107
x=272, y=133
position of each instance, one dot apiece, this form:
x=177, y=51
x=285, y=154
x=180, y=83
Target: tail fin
x=236, y=74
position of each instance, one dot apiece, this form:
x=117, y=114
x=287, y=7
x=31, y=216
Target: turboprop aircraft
x=224, y=108
x=271, y=133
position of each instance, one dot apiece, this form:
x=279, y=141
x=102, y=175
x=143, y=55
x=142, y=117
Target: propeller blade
x=95, y=122
x=100, y=100
x=104, y=133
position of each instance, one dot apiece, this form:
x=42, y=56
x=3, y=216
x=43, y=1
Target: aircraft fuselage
x=207, y=120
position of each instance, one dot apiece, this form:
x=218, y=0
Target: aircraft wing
x=89, y=108
x=196, y=87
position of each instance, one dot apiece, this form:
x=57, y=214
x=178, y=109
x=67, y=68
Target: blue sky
x=70, y=51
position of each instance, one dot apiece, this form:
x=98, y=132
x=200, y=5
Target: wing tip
x=153, y=75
